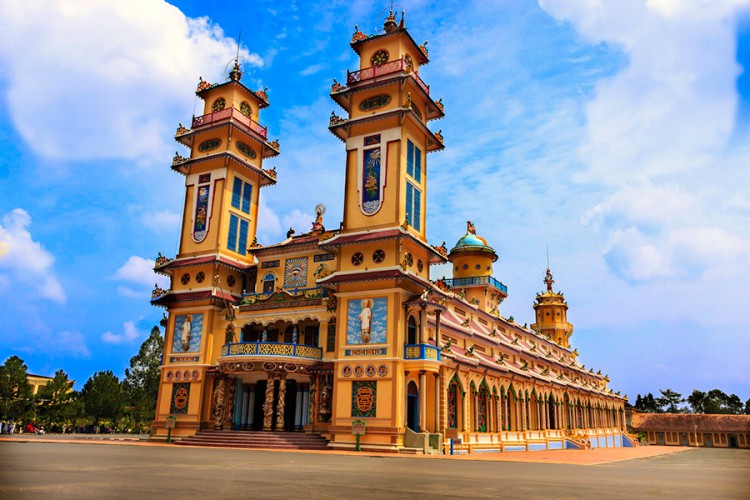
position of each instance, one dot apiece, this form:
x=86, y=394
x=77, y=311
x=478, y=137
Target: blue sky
x=614, y=132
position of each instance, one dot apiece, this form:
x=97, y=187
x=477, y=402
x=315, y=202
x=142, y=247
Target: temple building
x=342, y=327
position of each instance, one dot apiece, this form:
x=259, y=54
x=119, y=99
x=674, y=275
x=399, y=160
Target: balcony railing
x=272, y=349
x=476, y=280
x=389, y=68
x=234, y=114
x=421, y=351
x=295, y=293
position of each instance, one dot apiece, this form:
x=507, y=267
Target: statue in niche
x=365, y=320
x=325, y=401
x=187, y=325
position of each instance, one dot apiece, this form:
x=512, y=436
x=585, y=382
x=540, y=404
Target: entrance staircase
x=257, y=439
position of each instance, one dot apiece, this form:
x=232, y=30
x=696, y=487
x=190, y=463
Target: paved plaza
x=36, y=468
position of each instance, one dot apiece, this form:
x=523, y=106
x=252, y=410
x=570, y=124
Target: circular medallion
x=219, y=104
x=231, y=367
x=378, y=256
x=346, y=371
x=375, y=102
x=268, y=366
x=248, y=366
x=177, y=375
x=370, y=370
x=196, y=374
x=200, y=277
x=358, y=258
x=409, y=259
x=359, y=371
x=186, y=375
x=420, y=265
x=382, y=370
x=246, y=150
x=245, y=108
x=209, y=145
x=185, y=279
x=379, y=57
x=169, y=376
x=230, y=281
x=290, y=367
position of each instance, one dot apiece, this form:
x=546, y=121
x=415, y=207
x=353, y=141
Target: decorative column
x=423, y=401
x=312, y=408
x=436, y=381
x=499, y=402
x=268, y=404
x=423, y=325
x=438, y=340
x=280, y=404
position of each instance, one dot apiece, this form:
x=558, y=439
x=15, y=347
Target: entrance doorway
x=733, y=441
x=412, y=407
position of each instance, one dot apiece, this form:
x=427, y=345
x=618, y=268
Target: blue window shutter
x=409, y=158
x=246, y=197
x=418, y=165
x=409, y=200
x=236, y=192
x=242, y=245
x=232, y=239
x=417, y=209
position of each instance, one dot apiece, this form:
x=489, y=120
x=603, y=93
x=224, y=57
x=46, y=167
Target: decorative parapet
x=335, y=119
x=421, y=351
x=272, y=349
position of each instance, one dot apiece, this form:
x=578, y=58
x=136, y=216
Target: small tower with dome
x=472, y=260
x=552, y=314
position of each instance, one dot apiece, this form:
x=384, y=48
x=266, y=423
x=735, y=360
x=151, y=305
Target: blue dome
x=470, y=240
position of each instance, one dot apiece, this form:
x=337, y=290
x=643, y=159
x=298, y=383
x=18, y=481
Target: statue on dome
x=470, y=228
x=548, y=280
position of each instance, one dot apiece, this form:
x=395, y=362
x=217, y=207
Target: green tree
x=697, y=401
x=16, y=400
x=55, y=400
x=669, y=400
x=646, y=404
x=141, y=383
x=102, y=397
x=734, y=404
x=747, y=407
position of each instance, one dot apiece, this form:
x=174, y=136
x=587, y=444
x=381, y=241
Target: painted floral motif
x=200, y=224
x=371, y=183
x=246, y=150
x=219, y=104
x=245, y=109
x=375, y=102
x=209, y=145
x=482, y=410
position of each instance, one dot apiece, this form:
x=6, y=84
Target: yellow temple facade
x=343, y=328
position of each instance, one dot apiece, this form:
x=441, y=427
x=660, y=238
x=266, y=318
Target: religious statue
x=325, y=402
x=230, y=313
x=365, y=320
x=186, y=332
x=470, y=228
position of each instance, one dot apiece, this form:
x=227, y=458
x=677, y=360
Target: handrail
x=389, y=68
x=476, y=280
x=233, y=113
x=421, y=351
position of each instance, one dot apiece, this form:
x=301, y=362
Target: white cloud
x=269, y=226
x=108, y=79
x=160, y=221
x=300, y=221
x=128, y=335
x=311, y=70
x=139, y=272
x=28, y=264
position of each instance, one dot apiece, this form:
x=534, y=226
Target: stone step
x=257, y=439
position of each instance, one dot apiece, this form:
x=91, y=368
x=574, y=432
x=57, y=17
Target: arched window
x=269, y=283
x=411, y=331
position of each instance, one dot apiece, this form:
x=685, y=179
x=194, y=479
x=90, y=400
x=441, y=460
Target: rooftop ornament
x=157, y=292
x=202, y=84
x=390, y=23
x=424, y=49
x=271, y=172
x=263, y=94
x=548, y=280
x=439, y=104
x=320, y=209
x=236, y=74
x=182, y=129
x=335, y=119
x=336, y=86
x=358, y=35
x=161, y=260
x=274, y=144
x=439, y=135
x=178, y=158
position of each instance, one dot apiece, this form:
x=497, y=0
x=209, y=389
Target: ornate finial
x=358, y=35
x=548, y=280
x=470, y=229
x=236, y=74
x=390, y=23
x=336, y=86
x=424, y=49
x=403, y=20
x=320, y=209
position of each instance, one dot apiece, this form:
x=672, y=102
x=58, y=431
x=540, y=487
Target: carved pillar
x=217, y=407
x=523, y=414
x=281, y=404
x=438, y=340
x=313, y=399
x=422, y=401
x=436, y=380
x=268, y=404
x=423, y=325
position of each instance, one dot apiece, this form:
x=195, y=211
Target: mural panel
x=187, y=333
x=200, y=225
x=295, y=273
x=180, y=399
x=372, y=182
x=364, y=398
x=367, y=321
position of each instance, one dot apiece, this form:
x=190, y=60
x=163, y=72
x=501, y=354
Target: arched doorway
x=412, y=406
x=551, y=412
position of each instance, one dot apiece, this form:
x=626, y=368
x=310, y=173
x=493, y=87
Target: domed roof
x=470, y=243
x=471, y=240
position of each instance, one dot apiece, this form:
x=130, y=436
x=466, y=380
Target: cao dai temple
x=342, y=327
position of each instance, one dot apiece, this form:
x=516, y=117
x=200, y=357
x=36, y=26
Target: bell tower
x=552, y=314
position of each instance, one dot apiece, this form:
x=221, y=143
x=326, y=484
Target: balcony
x=389, y=68
x=234, y=114
x=476, y=280
x=272, y=349
x=421, y=351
